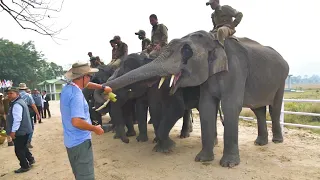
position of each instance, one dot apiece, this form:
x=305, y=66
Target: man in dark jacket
x=46, y=99
x=19, y=128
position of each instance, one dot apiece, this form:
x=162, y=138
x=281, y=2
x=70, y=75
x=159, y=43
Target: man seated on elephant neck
x=159, y=37
x=121, y=51
x=222, y=19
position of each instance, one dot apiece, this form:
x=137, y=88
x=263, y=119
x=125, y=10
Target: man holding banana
x=76, y=121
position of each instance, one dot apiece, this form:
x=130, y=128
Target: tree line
x=314, y=79
x=23, y=63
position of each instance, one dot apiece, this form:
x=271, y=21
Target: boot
x=29, y=145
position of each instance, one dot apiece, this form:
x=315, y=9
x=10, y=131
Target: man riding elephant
x=159, y=36
x=122, y=50
x=223, y=24
x=114, y=50
x=142, y=36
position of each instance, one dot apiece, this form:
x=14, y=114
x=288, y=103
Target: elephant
x=231, y=74
x=147, y=94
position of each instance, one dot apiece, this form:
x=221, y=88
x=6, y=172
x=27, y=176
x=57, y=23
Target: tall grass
x=310, y=93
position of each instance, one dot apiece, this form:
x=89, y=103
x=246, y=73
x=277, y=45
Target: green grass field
x=311, y=92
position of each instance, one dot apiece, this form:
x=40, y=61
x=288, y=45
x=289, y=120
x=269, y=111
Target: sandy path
x=297, y=158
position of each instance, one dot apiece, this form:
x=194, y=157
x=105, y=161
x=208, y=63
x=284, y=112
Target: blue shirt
x=26, y=97
x=37, y=99
x=72, y=105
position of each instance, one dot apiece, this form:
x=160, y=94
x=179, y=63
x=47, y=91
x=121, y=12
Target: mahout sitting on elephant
x=251, y=76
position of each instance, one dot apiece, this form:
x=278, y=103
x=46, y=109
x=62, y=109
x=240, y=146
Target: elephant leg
x=262, y=138
x=118, y=121
x=208, y=119
x=173, y=110
x=155, y=109
x=185, y=131
x=128, y=109
x=141, y=116
x=231, y=107
x=275, y=111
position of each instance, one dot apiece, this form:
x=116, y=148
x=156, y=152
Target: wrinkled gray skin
x=255, y=79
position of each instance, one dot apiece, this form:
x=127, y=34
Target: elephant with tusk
x=251, y=75
x=146, y=94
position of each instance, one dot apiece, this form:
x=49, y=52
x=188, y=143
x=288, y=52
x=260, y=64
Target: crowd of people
x=20, y=109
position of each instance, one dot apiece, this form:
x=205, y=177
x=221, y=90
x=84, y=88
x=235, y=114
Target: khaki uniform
x=223, y=23
x=145, y=43
x=159, y=35
x=121, y=50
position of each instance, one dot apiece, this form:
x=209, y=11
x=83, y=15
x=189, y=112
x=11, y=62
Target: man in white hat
x=23, y=90
x=76, y=121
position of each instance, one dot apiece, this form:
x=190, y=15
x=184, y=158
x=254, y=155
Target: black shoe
x=21, y=170
x=32, y=162
x=10, y=143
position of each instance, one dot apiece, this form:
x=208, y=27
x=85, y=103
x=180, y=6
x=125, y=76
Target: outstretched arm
x=234, y=13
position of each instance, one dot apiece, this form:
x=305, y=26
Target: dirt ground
x=297, y=158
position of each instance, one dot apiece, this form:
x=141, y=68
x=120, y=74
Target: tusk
x=171, y=81
x=103, y=105
x=161, y=82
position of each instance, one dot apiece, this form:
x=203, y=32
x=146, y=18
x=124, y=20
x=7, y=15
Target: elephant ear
x=217, y=60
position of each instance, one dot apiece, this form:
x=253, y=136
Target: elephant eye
x=186, y=53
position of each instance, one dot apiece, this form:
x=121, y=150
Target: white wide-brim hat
x=79, y=70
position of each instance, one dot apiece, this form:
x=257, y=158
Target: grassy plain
x=311, y=91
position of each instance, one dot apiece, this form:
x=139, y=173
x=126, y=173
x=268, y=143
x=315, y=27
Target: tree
x=32, y=14
x=23, y=63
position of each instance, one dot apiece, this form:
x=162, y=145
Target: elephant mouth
x=175, y=81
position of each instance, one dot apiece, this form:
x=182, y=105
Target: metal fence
x=283, y=112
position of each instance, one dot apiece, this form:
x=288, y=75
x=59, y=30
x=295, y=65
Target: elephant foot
x=184, y=134
x=277, y=139
x=142, y=138
x=119, y=136
x=107, y=128
x=261, y=141
x=116, y=136
x=164, y=146
x=155, y=140
x=131, y=133
x=230, y=160
x=204, y=156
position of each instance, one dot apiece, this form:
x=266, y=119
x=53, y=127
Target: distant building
x=53, y=87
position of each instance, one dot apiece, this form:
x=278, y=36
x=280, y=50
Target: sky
x=289, y=26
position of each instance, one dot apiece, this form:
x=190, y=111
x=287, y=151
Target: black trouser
x=22, y=152
x=45, y=109
x=35, y=115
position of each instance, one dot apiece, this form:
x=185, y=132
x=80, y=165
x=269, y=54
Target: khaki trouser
x=115, y=63
x=222, y=33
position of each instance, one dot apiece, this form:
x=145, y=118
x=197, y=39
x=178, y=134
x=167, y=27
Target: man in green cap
x=222, y=19
x=142, y=36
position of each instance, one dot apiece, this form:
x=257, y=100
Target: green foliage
x=23, y=63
